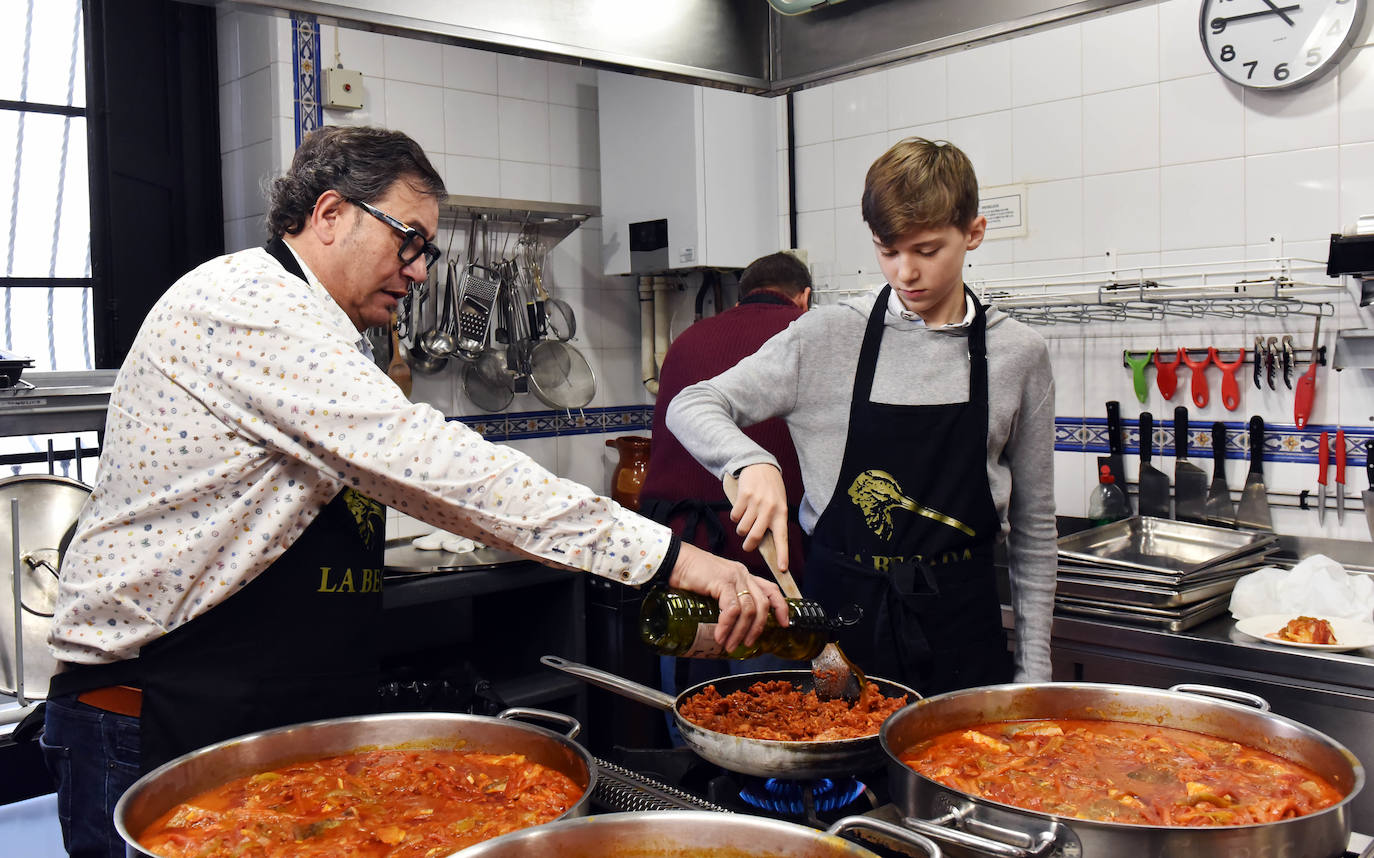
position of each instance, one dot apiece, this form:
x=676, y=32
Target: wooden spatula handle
x=767, y=549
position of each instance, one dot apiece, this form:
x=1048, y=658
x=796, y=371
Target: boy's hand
x=761, y=506
x=745, y=600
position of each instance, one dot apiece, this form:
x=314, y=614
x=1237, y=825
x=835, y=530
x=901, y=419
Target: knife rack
x=1301, y=357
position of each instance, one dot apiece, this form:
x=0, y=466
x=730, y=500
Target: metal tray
x=402, y=558
x=1173, y=621
x=1232, y=568
x=1144, y=596
x=1159, y=545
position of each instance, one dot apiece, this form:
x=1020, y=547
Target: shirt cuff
x=665, y=569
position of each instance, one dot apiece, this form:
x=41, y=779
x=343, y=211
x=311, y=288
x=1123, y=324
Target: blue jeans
x=94, y=757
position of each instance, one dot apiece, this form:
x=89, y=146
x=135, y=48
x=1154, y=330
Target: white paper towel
x=1317, y=586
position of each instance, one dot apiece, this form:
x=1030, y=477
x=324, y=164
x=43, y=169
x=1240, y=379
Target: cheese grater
x=477, y=291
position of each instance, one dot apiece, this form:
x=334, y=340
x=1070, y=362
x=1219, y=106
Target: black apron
x=908, y=535
x=298, y=643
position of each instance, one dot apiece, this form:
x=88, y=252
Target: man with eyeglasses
x=225, y=575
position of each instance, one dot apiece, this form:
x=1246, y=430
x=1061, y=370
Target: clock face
x=1275, y=44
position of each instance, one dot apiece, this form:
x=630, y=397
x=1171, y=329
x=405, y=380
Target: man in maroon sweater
x=774, y=290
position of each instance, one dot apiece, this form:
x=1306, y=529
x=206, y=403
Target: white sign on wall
x=1005, y=208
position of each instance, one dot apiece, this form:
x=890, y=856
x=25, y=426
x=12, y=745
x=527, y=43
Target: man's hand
x=745, y=600
x=761, y=506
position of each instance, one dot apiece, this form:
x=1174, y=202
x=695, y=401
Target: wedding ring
x=742, y=593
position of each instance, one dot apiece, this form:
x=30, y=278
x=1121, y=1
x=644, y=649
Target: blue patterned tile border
x=1282, y=443
x=548, y=424
x=305, y=70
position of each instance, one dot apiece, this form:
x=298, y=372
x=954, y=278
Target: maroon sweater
x=705, y=350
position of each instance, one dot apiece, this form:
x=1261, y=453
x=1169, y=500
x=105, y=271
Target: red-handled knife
x=1340, y=476
x=1323, y=459
x=1307, y=385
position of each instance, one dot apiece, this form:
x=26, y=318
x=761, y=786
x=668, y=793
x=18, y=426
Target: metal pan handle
x=887, y=829
x=611, y=682
x=1224, y=693
x=571, y=726
x=1036, y=845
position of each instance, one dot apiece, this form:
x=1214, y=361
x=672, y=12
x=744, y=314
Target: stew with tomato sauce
x=393, y=803
x=1118, y=772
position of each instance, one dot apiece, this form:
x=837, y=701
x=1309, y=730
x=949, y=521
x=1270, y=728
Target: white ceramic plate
x=1349, y=633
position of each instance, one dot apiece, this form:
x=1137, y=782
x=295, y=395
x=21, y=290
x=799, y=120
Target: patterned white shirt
x=243, y=407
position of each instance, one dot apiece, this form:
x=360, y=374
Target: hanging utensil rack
x=1303, y=357
x=553, y=221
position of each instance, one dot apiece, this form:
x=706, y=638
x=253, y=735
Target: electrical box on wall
x=343, y=89
x=689, y=175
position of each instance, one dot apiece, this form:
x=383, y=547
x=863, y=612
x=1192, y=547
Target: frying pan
x=760, y=757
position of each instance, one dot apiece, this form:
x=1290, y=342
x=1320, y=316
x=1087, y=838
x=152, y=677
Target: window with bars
x=45, y=287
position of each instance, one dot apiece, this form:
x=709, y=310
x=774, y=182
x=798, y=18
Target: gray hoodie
x=805, y=375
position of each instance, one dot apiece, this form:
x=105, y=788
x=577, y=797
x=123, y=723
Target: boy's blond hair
x=919, y=184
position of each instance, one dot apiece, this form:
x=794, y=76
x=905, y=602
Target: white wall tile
x=853, y=157
x=1301, y=119
x=524, y=130
x=815, y=177
x=472, y=124
x=816, y=235
x=1203, y=204
x=472, y=70
x=572, y=85
x=414, y=60
x=979, y=79
x=256, y=37
x=860, y=105
x=256, y=100
x=358, y=49
x=1121, y=130
x=813, y=115
x=1357, y=183
x=1047, y=141
x=522, y=77
x=1357, y=97
x=575, y=185
x=227, y=45
x=476, y=177
x=1200, y=119
x=573, y=137
x=1121, y=212
x=854, y=252
x=230, y=116
x=1180, y=46
x=917, y=93
x=1121, y=49
x=418, y=110
x=986, y=139
x=936, y=131
x=1293, y=194
x=1047, y=65
x=1054, y=218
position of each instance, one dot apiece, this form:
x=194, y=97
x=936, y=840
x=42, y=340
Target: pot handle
x=1010, y=843
x=611, y=682
x=571, y=726
x=887, y=829
x=1224, y=693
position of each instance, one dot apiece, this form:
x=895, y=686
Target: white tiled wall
x=1126, y=137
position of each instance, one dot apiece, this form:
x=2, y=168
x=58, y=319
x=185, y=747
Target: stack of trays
x=1153, y=571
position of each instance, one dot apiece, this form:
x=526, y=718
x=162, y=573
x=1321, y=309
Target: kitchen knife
x=1190, y=483
x=1340, y=476
x=1154, y=483
x=1254, y=499
x=1220, y=510
x=1113, y=458
x=1368, y=494
x=1323, y=459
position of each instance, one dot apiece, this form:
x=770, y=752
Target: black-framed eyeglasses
x=413, y=243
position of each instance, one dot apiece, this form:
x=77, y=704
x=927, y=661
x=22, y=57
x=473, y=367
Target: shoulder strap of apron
x=280, y=252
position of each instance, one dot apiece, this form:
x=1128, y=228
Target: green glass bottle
x=674, y=622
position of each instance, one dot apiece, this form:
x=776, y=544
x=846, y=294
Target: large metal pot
x=992, y=828
x=762, y=757
x=689, y=834
x=190, y=774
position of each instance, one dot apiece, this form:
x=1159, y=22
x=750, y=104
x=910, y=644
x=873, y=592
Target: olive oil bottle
x=674, y=622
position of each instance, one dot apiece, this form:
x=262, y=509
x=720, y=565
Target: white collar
x=897, y=308
x=363, y=344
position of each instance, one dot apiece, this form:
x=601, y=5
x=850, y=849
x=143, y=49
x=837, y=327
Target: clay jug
x=628, y=477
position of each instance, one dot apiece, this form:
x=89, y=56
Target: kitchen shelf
x=553, y=221
x=1354, y=350
x=57, y=402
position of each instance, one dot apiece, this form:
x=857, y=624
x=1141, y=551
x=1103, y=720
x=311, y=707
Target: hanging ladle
x=439, y=341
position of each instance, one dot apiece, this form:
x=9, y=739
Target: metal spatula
x=1154, y=483
x=1220, y=510
x=1190, y=483
x=1254, y=499
x=834, y=675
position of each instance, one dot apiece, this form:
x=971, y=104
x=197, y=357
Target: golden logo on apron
x=367, y=513
x=877, y=494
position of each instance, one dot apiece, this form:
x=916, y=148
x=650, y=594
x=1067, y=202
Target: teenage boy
x=924, y=425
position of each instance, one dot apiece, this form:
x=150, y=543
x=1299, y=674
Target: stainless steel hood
x=733, y=44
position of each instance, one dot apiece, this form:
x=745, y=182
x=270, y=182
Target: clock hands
x=1219, y=24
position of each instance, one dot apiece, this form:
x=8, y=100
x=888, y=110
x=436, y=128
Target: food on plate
x=1113, y=771
x=777, y=709
x=396, y=803
x=1308, y=630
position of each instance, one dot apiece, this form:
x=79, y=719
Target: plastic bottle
x=1108, y=503
x=683, y=624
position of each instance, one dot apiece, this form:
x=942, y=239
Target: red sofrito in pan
x=393, y=803
x=1118, y=772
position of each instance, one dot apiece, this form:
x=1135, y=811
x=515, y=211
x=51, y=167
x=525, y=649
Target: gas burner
x=790, y=796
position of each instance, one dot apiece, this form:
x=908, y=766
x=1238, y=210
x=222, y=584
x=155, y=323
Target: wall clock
x=1277, y=44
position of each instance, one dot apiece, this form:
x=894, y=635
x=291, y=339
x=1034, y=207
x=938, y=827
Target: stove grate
x=621, y=790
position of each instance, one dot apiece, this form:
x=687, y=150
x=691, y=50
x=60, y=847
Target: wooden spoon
x=398, y=369
x=834, y=675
